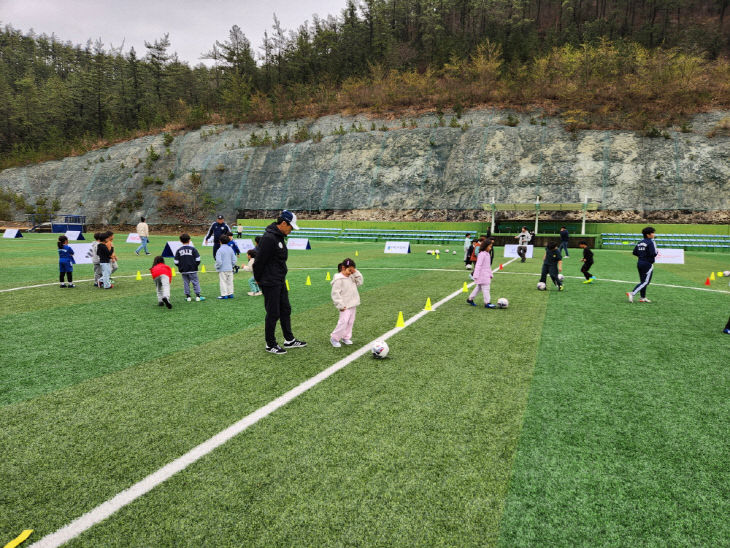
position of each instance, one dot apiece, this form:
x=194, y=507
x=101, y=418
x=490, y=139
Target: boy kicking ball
x=587, y=262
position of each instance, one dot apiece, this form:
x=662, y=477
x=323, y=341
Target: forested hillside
x=598, y=63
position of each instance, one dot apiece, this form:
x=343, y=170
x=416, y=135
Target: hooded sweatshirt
x=483, y=270
x=344, y=290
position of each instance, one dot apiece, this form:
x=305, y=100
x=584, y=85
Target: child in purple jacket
x=482, y=275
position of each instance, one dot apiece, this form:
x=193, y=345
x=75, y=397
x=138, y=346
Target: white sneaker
x=630, y=296
x=335, y=343
x=257, y=294
x=188, y=299
x=346, y=341
x=644, y=300
x=251, y=293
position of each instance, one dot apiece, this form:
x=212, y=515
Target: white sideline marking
x=57, y=283
x=106, y=509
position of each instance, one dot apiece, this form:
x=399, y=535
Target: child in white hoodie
x=346, y=298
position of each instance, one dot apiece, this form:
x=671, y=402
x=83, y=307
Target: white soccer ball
x=502, y=302
x=429, y=252
x=561, y=277
x=379, y=349
x=437, y=252
x=541, y=286
x=446, y=250
x=454, y=252
x=726, y=273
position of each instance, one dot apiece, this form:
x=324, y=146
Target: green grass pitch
x=570, y=418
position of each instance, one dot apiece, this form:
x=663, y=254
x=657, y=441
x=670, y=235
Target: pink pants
x=344, y=324
x=484, y=289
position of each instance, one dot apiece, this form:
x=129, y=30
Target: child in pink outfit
x=346, y=298
x=482, y=275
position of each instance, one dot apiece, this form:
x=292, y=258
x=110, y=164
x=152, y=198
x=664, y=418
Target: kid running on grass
x=552, y=263
x=187, y=260
x=252, y=285
x=346, y=298
x=646, y=251
x=482, y=275
x=162, y=274
x=65, y=261
x=587, y=262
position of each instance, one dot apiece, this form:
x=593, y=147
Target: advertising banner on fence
x=397, y=247
x=510, y=250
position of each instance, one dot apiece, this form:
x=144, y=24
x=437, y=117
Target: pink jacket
x=483, y=270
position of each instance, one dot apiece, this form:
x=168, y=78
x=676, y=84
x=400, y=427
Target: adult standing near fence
x=270, y=270
x=217, y=229
x=143, y=231
x=523, y=238
x=564, y=237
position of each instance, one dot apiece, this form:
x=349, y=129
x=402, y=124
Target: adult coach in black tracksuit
x=269, y=270
x=217, y=229
x=646, y=251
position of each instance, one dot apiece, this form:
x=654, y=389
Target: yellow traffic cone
x=356, y=253
x=328, y=278
x=138, y=276
x=202, y=268
x=287, y=284
x=308, y=282
x=712, y=277
x=173, y=272
x=465, y=289
x=438, y=255
x=428, y=304
x=400, y=322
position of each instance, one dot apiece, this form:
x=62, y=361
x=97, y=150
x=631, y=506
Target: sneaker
x=490, y=305
x=644, y=300
x=160, y=304
x=470, y=302
x=70, y=285
x=258, y=294
x=187, y=298
x=726, y=331
x=294, y=343
x=276, y=349
x=230, y=296
x=168, y=304
x=251, y=293
x=147, y=253
x=630, y=296
x=333, y=342
x=62, y=286
x=561, y=288
x=346, y=341
x=593, y=278
x=222, y=296
x=199, y=298
x=136, y=252
x=589, y=280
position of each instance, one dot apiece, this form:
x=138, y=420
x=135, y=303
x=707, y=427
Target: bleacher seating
x=697, y=242
x=369, y=234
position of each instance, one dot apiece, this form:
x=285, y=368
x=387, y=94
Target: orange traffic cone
x=501, y=267
x=707, y=281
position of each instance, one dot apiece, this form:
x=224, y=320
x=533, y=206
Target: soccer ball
x=502, y=302
x=726, y=273
x=454, y=252
x=379, y=349
x=541, y=286
x=561, y=277
x=446, y=251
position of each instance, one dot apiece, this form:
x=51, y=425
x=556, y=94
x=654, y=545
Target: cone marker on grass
x=308, y=282
x=501, y=266
x=287, y=285
x=428, y=304
x=465, y=289
x=712, y=276
x=173, y=272
x=356, y=253
x=328, y=278
x=400, y=322
x=138, y=276
x=707, y=281
x=202, y=268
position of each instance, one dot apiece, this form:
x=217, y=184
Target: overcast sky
x=194, y=25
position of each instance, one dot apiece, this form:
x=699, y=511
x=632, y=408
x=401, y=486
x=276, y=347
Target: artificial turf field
x=570, y=418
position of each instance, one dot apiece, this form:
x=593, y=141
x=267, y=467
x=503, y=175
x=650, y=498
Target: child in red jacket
x=162, y=274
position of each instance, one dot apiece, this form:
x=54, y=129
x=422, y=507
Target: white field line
x=106, y=509
x=57, y=283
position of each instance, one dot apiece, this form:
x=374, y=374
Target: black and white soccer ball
x=380, y=349
x=541, y=286
x=502, y=303
x=561, y=277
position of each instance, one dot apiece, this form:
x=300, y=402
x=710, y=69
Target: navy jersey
x=217, y=230
x=552, y=257
x=66, y=254
x=646, y=250
x=187, y=259
x=588, y=255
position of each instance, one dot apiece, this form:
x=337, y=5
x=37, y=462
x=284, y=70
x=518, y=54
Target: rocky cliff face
x=358, y=164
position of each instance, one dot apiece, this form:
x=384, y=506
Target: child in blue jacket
x=65, y=261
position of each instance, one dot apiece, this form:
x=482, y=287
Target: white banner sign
x=12, y=233
x=397, y=247
x=74, y=235
x=670, y=256
x=172, y=246
x=208, y=243
x=510, y=250
x=298, y=243
x=245, y=245
x=134, y=238
x=82, y=253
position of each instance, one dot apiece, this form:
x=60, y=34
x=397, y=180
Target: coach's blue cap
x=290, y=218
